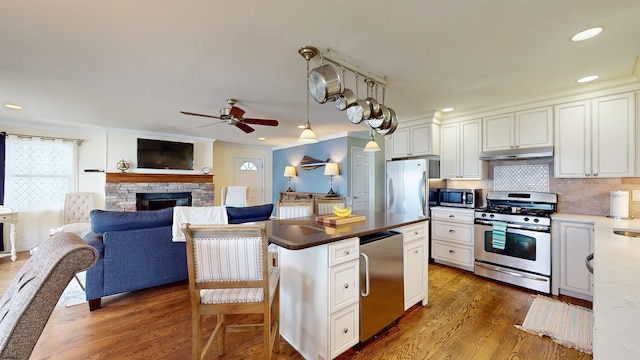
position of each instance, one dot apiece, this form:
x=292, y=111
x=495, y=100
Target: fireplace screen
x=156, y=201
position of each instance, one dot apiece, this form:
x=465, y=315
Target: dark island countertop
x=304, y=232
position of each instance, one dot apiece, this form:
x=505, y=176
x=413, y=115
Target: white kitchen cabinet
x=320, y=297
x=460, y=150
x=415, y=259
x=415, y=139
x=596, y=137
x=452, y=236
x=522, y=129
x=576, y=243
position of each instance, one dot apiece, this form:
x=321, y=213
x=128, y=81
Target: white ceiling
x=135, y=64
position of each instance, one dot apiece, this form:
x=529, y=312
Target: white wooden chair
x=292, y=209
x=229, y=274
x=325, y=206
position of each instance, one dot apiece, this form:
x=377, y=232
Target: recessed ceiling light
x=13, y=106
x=587, y=34
x=447, y=109
x=587, y=78
x=262, y=139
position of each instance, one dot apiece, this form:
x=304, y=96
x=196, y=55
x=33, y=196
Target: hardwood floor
x=467, y=318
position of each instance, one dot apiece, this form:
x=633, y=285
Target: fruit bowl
x=338, y=211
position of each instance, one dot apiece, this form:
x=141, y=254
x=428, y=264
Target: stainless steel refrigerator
x=408, y=185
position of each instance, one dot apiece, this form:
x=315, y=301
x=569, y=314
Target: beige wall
x=223, y=156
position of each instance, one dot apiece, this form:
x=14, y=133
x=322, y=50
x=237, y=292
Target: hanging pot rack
x=326, y=55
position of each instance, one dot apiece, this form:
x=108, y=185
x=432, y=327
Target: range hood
x=514, y=154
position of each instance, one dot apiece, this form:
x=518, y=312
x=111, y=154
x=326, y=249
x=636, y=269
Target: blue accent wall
x=311, y=180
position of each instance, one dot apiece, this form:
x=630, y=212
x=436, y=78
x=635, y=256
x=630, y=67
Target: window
x=39, y=171
x=248, y=166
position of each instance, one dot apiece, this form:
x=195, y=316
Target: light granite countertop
x=616, y=279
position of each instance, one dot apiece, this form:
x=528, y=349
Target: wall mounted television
x=160, y=154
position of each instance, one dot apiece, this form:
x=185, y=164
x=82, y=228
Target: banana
x=341, y=212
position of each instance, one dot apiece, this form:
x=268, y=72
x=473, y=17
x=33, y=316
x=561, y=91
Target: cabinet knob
x=415, y=232
x=451, y=231
x=415, y=251
x=452, y=251
x=345, y=330
x=346, y=285
x=347, y=252
x=587, y=175
x=595, y=174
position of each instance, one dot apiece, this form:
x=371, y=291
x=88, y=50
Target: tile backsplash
x=521, y=178
x=576, y=196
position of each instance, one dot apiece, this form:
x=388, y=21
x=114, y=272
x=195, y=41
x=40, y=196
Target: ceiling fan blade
x=203, y=115
x=261, y=122
x=220, y=122
x=244, y=127
x=236, y=112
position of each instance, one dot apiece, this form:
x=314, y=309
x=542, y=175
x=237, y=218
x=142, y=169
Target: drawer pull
x=346, y=285
x=452, y=216
x=452, y=251
x=345, y=330
x=415, y=232
x=415, y=251
x=346, y=252
x=451, y=231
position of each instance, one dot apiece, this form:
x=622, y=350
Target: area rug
x=73, y=294
x=566, y=324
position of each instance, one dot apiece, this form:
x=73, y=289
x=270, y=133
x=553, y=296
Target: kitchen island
x=320, y=280
x=616, y=298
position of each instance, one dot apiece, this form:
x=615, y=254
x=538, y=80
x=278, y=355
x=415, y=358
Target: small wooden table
x=9, y=216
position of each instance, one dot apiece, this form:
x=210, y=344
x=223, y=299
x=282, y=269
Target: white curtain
x=39, y=171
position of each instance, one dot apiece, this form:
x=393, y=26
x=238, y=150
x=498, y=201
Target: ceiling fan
x=234, y=116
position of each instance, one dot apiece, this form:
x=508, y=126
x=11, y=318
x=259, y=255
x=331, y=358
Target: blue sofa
x=135, y=250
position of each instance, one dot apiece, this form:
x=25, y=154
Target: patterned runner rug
x=566, y=324
x=73, y=293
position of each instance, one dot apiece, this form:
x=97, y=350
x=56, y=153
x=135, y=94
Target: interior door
x=361, y=173
x=250, y=172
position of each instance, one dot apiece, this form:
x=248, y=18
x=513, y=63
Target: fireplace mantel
x=162, y=178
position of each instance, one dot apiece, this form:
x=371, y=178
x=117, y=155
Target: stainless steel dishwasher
x=382, y=283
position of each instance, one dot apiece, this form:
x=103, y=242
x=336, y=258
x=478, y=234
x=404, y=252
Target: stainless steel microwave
x=467, y=198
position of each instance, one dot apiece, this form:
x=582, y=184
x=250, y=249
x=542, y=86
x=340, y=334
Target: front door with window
x=250, y=172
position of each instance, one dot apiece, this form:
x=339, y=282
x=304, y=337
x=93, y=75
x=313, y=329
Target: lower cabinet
x=452, y=236
x=575, y=242
x=319, y=298
x=415, y=260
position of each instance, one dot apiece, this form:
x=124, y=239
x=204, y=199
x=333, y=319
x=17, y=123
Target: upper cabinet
x=460, y=150
x=596, y=137
x=415, y=138
x=522, y=129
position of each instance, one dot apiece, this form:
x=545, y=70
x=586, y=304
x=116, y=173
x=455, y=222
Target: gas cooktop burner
x=503, y=209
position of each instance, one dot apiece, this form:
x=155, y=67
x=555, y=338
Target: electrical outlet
x=636, y=195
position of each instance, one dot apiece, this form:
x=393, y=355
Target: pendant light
x=372, y=145
x=307, y=136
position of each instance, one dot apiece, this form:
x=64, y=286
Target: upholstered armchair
x=27, y=304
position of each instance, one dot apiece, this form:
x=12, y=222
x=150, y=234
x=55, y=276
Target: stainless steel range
x=513, y=238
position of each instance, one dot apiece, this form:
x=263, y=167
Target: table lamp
x=332, y=170
x=289, y=172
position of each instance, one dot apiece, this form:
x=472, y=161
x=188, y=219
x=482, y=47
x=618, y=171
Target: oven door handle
x=515, y=226
x=512, y=273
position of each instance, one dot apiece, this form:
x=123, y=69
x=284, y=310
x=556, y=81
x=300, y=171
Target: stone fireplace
x=123, y=191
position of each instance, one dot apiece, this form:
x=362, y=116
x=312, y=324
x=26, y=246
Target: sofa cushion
x=103, y=220
x=239, y=215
